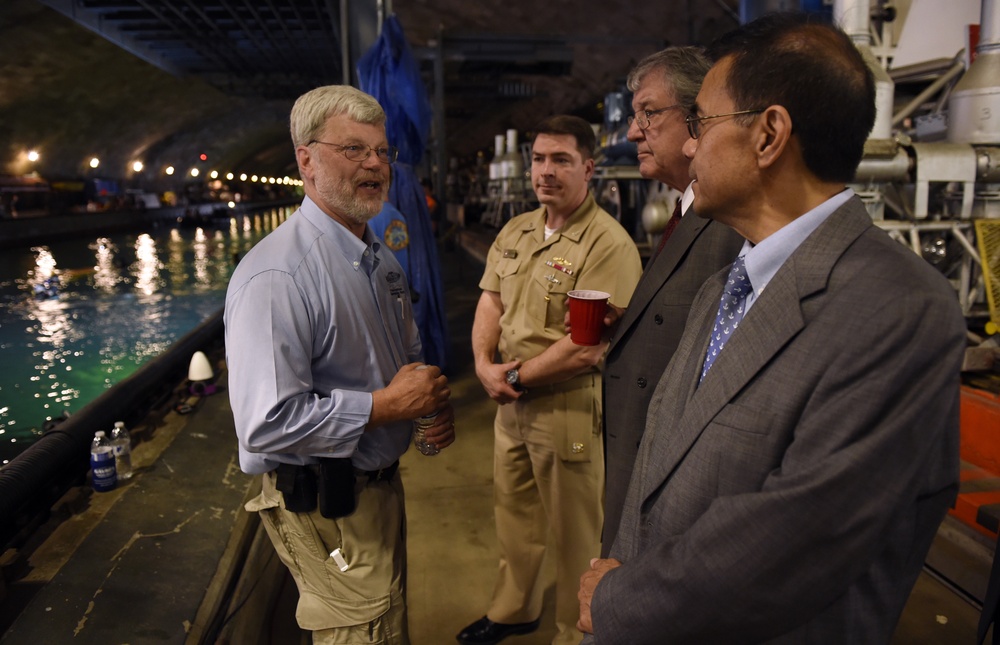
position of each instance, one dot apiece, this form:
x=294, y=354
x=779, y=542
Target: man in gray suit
x=796, y=463
x=664, y=87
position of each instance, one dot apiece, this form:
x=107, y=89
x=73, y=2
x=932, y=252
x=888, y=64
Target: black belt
x=380, y=475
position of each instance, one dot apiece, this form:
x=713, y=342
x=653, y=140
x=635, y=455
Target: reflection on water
x=147, y=267
x=106, y=272
x=112, y=304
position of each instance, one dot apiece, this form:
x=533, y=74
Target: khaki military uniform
x=548, y=459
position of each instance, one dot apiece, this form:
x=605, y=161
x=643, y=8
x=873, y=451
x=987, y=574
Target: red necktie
x=668, y=231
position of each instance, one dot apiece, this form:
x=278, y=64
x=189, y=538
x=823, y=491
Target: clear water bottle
x=121, y=442
x=420, y=426
x=420, y=440
x=102, y=463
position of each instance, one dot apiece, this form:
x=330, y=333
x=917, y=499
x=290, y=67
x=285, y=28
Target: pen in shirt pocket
x=402, y=310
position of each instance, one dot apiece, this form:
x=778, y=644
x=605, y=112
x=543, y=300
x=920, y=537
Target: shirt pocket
x=506, y=272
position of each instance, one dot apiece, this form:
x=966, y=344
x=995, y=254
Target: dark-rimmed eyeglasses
x=361, y=152
x=694, y=122
x=641, y=118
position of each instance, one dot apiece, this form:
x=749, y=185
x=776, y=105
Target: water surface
x=80, y=315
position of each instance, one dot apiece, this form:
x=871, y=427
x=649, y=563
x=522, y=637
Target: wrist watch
x=514, y=380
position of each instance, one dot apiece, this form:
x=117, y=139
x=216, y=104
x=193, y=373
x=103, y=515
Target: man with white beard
x=325, y=378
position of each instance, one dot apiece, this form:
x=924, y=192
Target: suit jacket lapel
x=659, y=270
x=776, y=317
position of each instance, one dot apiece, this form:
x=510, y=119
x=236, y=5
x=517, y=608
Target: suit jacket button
x=658, y=319
x=641, y=382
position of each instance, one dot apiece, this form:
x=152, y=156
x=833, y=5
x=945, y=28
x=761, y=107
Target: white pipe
x=854, y=17
x=976, y=98
x=989, y=27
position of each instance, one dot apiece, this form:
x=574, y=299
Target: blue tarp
x=389, y=72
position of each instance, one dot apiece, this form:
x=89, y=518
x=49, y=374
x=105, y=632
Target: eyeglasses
x=694, y=122
x=642, y=117
x=360, y=153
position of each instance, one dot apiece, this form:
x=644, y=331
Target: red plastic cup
x=586, y=315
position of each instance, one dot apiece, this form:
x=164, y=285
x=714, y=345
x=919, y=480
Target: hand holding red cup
x=587, y=309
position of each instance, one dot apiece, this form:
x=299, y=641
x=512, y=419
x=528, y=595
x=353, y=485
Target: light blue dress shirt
x=764, y=259
x=316, y=320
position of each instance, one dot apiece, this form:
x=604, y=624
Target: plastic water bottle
x=420, y=426
x=419, y=438
x=121, y=442
x=102, y=463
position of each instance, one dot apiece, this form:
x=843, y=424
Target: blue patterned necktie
x=731, y=310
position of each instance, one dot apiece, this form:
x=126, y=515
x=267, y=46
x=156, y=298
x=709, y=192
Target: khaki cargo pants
x=365, y=603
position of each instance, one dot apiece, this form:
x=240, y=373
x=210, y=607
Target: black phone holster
x=337, y=494
x=333, y=487
x=298, y=487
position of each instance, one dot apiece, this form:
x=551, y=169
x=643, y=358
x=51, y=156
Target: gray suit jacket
x=792, y=496
x=646, y=339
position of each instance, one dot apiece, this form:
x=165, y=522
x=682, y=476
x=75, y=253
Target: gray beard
x=340, y=196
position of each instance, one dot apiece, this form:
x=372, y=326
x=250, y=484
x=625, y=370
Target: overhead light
x=229, y=176
x=33, y=155
x=137, y=166
x=194, y=172
x=243, y=176
x=254, y=178
x=94, y=162
x=214, y=174
x=169, y=170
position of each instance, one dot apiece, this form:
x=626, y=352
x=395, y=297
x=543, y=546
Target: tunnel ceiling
x=168, y=80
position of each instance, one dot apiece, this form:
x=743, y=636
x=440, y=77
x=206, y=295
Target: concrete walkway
x=133, y=565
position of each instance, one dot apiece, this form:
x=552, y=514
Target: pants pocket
x=371, y=543
x=580, y=426
x=388, y=628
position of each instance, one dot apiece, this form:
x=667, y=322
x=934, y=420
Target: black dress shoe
x=485, y=632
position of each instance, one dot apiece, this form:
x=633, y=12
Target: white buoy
x=200, y=369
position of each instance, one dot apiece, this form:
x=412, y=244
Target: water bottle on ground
x=102, y=463
x=419, y=438
x=121, y=442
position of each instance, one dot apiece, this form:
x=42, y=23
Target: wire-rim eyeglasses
x=361, y=152
x=641, y=118
x=694, y=122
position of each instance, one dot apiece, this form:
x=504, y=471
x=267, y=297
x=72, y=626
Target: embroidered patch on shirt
x=396, y=236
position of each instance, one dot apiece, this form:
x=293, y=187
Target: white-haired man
x=325, y=378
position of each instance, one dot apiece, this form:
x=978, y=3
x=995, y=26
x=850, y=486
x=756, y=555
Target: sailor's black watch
x=514, y=380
